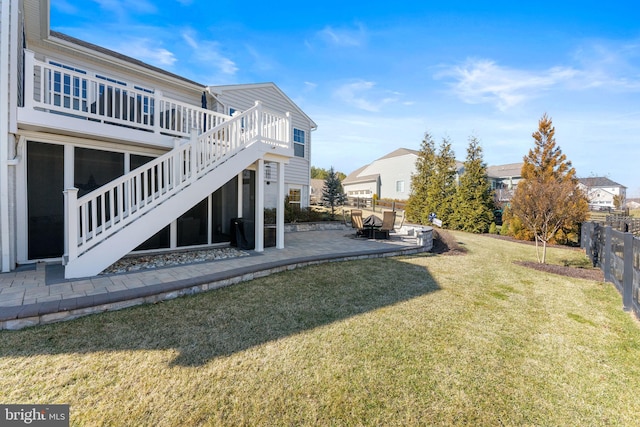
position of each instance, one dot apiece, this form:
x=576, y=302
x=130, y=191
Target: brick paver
x=23, y=293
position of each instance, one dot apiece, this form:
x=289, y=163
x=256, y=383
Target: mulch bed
x=594, y=274
x=445, y=244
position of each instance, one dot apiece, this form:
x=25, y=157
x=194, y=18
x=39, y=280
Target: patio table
x=371, y=224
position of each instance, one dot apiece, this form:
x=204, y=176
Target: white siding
x=391, y=171
x=362, y=190
x=297, y=171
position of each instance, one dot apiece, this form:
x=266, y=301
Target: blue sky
x=375, y=76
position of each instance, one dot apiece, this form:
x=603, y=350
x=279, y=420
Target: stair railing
x=92, y=218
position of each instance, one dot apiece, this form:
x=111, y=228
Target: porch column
x=240, y=184
x=69, y=166
x=5, y=56
x=70, y=225
x=259, y=221
x=280, y=208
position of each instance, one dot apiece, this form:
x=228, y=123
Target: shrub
x=493, y=229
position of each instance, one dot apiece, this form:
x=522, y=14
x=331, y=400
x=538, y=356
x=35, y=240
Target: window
x=399, y=186
x=294, y=196
x=298, y=142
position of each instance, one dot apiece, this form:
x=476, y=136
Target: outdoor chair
x=388, y=223
x=355, y=212
x=356, y=222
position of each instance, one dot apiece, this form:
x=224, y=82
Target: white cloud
x=611, y=65
x=147, y=51
x=483, y=81
x=208, y=52
x=65, y=7
x=346, y=37
x=124, y=8
x=361, y=94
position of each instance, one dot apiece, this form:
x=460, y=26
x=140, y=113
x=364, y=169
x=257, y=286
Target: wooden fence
x=617, y=253
x=623, y=223
x=368, y=203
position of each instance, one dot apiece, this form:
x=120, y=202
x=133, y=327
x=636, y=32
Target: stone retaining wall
x=314, y=226
x=40, y=318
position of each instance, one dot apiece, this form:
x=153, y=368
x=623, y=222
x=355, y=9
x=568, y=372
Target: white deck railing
x=95, y=216
x=63, y=89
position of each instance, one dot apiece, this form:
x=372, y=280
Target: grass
x=419, y=340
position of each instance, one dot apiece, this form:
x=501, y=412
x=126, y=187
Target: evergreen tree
x=441, y=187
x=547, y=198
x=416, y=208
x=332, y=192
x=473, y=201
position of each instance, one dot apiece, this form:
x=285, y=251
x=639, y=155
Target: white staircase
x=106, y=224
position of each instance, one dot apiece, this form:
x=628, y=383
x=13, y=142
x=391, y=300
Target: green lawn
x=420, y=340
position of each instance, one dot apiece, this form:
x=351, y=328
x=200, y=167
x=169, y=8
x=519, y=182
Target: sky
x=375, y=76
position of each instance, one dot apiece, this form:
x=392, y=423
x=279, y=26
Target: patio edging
x=14, y=318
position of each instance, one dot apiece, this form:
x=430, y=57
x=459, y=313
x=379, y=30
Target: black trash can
x=242, y=233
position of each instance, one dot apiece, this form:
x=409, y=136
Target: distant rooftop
x=504, y=171
x=599, y=181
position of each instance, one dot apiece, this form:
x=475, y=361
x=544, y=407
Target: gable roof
x=354, y=178
x=218, y=89
x=510, y=170
x=95, y=48
x=599, y=181
x=399, y=152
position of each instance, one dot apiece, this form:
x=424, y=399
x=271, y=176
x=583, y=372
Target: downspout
x=5, y=56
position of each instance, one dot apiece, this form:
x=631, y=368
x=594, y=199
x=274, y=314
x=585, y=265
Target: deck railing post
x=29, y=78
x=157, y=102
x=194, y=153
x=176, y=163
x=627, y=276
x=71, y=224
x=259, y=132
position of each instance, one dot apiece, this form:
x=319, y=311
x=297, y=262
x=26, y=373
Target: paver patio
x=35, y=295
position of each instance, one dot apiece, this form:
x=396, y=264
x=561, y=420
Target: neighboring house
x=389, y=177
x=633, y=204
x=601, y=192
x=504, y=180
x=317, y=187
x=102, y=154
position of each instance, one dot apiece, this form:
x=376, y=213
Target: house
x=504, y=179
x=317, y=187
x=633, y=203
x=231, y=99
x=388, y=177
x=102, y=154
x=601, y=192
